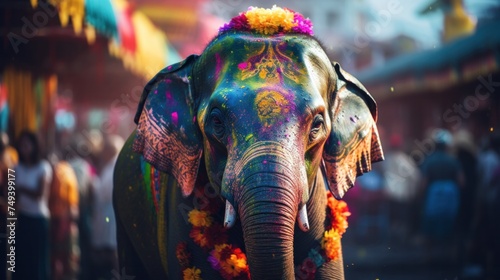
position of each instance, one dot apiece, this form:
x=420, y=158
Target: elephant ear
x=353, y=143
x=168, y=135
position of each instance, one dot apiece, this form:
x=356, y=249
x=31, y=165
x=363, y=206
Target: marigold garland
x=231, y=262
x=200, y=218
x=192, y=273
x=329, y=249
x=269, y=22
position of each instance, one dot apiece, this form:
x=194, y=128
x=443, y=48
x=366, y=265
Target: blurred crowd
x=63, y=202
x=66, y=229
x=449, y=197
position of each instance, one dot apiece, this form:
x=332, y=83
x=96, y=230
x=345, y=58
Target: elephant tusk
x=229, y=215
x=302, y=219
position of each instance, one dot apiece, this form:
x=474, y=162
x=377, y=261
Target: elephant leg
x=129, y=262
x=136, y=218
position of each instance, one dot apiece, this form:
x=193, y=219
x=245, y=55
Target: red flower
x=215, y=234
x=225, y=253
x=204, y=202
x=182, y=254
x=306, y=270
x=240, y=22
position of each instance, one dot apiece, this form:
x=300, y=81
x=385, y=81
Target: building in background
x=188, y=26
x=73, y=66
x=453, y=85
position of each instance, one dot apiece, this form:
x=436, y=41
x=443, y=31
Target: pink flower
x=304, y=25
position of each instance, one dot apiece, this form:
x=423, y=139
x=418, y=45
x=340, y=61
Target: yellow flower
x=236, y=264
x=270, y=21
x=331, y=244
x=192, y=273
x=200, y=218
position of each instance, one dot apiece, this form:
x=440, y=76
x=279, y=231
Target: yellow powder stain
x=270, y=104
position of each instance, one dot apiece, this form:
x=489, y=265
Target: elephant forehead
x=257, y=59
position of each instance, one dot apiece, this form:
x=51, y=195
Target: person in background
x=485, y=245
x=466, y=153
x=442, y=179
x=63, y=206
x=33, y=178
x=79, y=149
x=103, y=221
x=372, y=225
x=402, y=179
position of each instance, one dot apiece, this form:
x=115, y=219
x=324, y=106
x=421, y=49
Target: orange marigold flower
x=234, y=265
x=270, y=21
x=200, y=218
x=199, y=237
x=231, y=262
x=192, y=273
x=338, y=213
x=331, y=244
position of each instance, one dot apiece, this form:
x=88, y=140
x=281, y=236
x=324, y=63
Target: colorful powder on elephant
x=175, y=118
x=269, y=105
x=218, y=65
x=151, y=180
x=243, y=65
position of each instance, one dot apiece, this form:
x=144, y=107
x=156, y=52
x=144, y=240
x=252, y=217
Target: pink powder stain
x=156, y=91
x=218, y=65
x=194, y=119
x=175, y=118
x=243, y=65
x=168, y=81
x=169, y=95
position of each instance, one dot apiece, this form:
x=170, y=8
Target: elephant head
x=266, y=113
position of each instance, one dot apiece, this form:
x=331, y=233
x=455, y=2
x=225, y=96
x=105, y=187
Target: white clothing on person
x=401, y=176
x=28, y=177
x=103, y=220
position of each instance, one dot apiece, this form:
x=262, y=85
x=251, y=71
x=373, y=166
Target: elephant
x=256, y=130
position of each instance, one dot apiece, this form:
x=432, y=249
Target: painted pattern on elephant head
x=270, y=64
x=270, y=105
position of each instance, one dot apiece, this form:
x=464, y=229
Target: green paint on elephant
x=149, y=184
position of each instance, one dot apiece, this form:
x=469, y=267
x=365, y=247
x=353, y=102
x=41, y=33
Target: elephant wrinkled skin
x=266, y=123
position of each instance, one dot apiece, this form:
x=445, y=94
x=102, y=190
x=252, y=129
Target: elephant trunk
x=268, y=208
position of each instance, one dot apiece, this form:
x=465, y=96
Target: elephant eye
x=316, y=127
x=217, y=123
